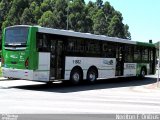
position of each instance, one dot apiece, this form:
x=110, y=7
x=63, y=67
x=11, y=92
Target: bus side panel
x=130, y=69
x=44, y=61
x=43, y=71
x=2, y=53
x=33, y=54
x=105, y=66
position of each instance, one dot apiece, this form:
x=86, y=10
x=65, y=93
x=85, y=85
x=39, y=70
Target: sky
x=142, y=17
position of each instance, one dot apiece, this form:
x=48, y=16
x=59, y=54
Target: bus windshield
x=16, y=36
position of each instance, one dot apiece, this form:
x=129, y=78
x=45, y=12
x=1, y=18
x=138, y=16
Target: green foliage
x=116, y=27
x=27, y=17
x=48, y=19
x=77, y=15
x=100, y=23
x=127, y=33
x=99, y=3
x=61, y=13
x=5, y=6
x=95, y=17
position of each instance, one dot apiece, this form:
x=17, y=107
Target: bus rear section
x=18, y=53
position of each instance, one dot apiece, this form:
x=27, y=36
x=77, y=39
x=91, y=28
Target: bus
x=46, y=54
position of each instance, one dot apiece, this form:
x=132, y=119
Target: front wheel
x=143, y=73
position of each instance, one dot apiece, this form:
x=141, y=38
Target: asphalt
x=153, y=87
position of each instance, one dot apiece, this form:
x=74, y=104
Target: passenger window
x=43, y=42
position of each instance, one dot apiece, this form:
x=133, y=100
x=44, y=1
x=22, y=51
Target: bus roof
x=91, y=36
x=85, y=35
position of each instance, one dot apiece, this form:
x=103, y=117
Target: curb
x=3, y=79
x=146, y=88
x=153, y=86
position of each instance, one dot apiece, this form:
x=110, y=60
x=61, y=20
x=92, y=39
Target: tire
x=143, y=73
x=76, y=76
x=92, y=76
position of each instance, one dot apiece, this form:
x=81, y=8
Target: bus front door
x=119, y=61
x=56, y=59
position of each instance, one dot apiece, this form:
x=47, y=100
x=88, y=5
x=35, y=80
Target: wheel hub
x=92, y=76
x=76, y=77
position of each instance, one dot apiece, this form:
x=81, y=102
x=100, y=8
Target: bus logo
x=108, y=62
x=13, y=56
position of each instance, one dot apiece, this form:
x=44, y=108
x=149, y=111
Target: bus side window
x=128, y=53
x=39, y=42
x=145, y=53
x=43, y=43
x=40, y=45
x=137, y=54
x=109, y=50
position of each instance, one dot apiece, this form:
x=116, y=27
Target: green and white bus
x=45, y=54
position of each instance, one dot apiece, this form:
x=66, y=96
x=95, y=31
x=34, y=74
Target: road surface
x=126, y=96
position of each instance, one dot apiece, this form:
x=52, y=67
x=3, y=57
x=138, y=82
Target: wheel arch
x=141, y=75
x=145, y=68
x=78, y=68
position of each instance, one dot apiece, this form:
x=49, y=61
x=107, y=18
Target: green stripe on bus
x=145, y=44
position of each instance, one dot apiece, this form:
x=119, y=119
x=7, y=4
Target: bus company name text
x=137, y=116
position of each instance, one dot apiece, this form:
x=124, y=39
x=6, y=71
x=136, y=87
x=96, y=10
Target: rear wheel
x=76, y=76
x=92, y=75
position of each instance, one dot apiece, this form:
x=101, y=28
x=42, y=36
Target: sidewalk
x=153, y=86
x=2, y=79
x=148, y=88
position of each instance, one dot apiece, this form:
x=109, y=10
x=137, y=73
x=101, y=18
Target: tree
x=77, y=15
x=100, y=23
x=47, y=5
x=36, y=11
x=48, y=19
x=116, y=27
x=108, y=11
x=38, y=2
x=4, y=9
x=15, y=12
x=61, y=13
x=99, y=3
x=90, y=11
x=27, y=17
x=127, y=33
x=94, y=17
